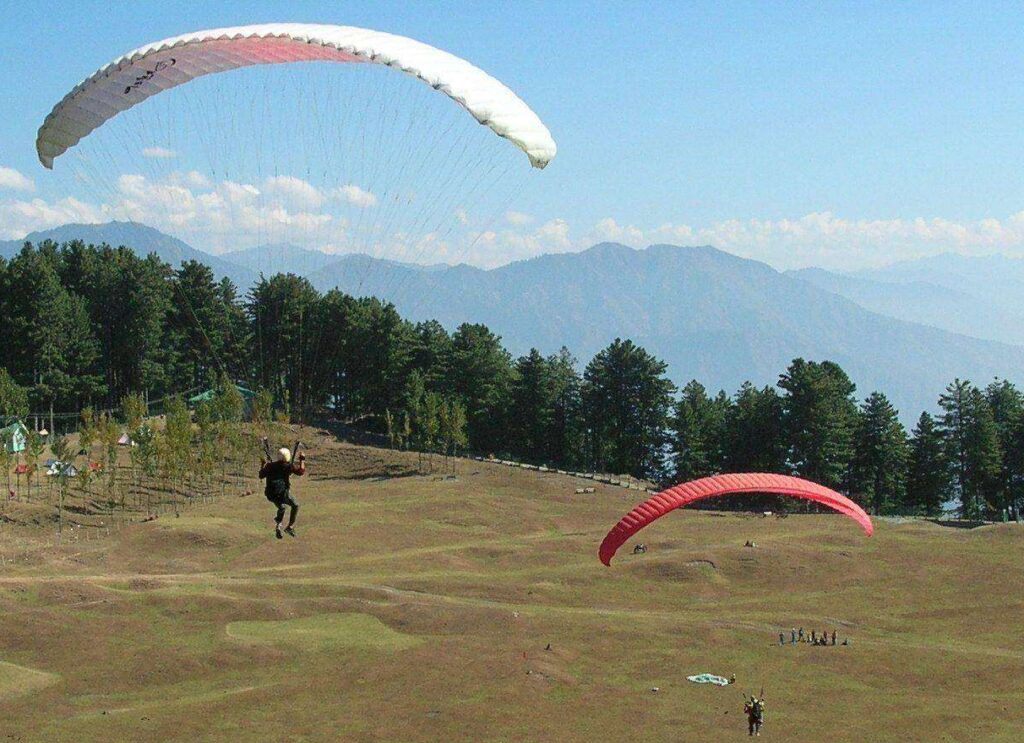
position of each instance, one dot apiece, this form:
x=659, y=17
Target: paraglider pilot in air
x=278, y=487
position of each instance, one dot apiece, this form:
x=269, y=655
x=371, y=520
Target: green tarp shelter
x=247, y=398
x=247, y=395
x=14, y=437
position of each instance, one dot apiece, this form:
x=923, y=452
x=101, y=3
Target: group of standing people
x=822, y=640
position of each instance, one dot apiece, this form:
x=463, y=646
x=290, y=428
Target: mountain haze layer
x=140, y=238
x=279, y=258
x=998, y=278
x=992, y=315
x=710, y=315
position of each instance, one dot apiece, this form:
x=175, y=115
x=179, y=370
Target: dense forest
x=89, y=326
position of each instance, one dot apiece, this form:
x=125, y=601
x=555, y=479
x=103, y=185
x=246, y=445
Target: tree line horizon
x=89, y=325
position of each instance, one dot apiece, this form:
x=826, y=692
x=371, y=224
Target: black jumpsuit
x=278, y=487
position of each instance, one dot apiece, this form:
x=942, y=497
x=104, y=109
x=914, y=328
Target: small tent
x=14, y=437
x=58, y=468
x=125, y=440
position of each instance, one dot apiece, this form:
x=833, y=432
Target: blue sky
x=797, y=133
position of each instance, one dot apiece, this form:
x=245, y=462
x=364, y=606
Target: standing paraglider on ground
x=278, y=488
x=754, y=709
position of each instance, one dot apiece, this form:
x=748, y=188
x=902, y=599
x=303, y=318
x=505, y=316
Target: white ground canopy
x=223, y=139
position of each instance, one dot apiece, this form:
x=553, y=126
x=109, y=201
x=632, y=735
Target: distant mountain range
x=997, y=276
x=710, y=315
x=979, y=296
x=279, y=258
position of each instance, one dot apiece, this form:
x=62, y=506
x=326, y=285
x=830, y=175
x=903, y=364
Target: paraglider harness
x=277, y=488
x=754, y=708
x=757, y=710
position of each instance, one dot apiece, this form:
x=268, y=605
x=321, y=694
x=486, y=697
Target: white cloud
x=18, y=218
x=216, y=217
x=293, y=191
x=166, y=196
x=824, y=239
x=235, y=214
x=608, y=230
x=356, y=196
x=238, y=193
x=159, y=153
x=191, y=179
x=815, y=239
x=12, y=180
x=517, y=218
x=495, y=248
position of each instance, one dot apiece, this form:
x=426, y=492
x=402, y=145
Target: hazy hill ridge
x=711, y=315
x=980, y=297
x=142, y=239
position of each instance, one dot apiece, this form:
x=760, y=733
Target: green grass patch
x=17, y=680
x=325, y=632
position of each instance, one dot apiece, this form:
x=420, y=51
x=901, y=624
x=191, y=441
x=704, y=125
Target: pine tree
x=972, y=447
x=754, y=434
x=879, y=468
x=389, y=428
x=531, y=412
x=698, y=427
x=432, y=353
x=626, y=402
x=928, y=481
x=13, y=399
x=820, y=417
x=564, y=438
x=1007, y=404
x=482, y=375
x=288, y=327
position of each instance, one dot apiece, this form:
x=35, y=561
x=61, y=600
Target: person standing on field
x=754, y=710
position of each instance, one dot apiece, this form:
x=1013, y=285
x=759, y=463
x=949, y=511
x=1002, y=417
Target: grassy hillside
x=418, y=608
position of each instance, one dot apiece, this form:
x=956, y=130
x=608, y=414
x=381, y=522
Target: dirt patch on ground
x=71, y=593
x=143, y=584
x=360, y=463
x=690, y=571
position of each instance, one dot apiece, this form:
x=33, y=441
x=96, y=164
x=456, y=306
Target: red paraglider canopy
x=709, y=487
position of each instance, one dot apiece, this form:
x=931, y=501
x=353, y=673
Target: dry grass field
x=419, y=608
